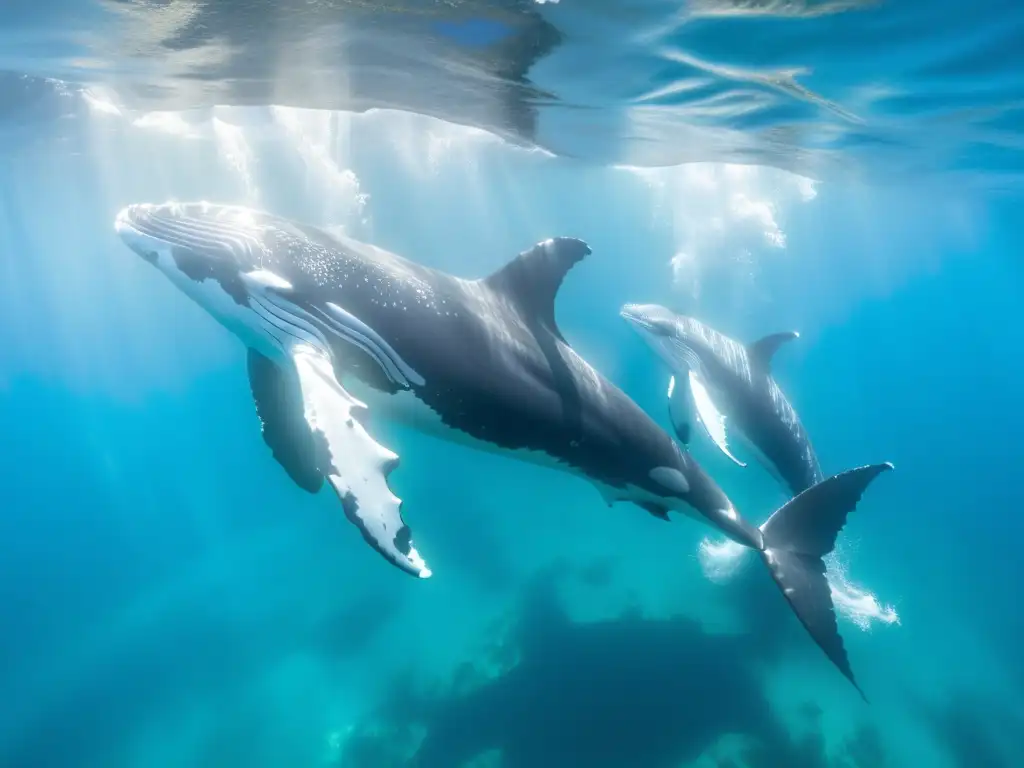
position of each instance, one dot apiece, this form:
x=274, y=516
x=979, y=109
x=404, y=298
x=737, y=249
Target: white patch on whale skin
x=265, y=279
x=671, y=478
x=207, y=293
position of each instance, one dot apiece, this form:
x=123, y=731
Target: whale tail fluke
x=798, y=536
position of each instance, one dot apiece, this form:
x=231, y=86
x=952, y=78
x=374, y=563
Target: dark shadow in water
x=351, y=629
x=627, y=692
x=598, y=574
x=194, y=652
x=463, y=542
x=606, y=694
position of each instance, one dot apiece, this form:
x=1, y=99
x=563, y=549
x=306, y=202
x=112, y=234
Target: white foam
x=723, y=216
x=722, y=560
x=311, y=134
x=855, y=603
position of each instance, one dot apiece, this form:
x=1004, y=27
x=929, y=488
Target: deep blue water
x=169, y=598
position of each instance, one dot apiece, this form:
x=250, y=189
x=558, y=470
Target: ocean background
x=168, y=598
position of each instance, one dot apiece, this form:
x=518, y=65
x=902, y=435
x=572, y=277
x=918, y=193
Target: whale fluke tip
x=796, y=539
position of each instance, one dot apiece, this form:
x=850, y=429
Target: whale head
x=679, y=340
x=194, y=239
x=651, y=320
x=218, y=255
x=656, y=325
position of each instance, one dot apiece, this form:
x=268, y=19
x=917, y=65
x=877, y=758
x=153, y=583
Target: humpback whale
x=725, y=383
x=336, y=328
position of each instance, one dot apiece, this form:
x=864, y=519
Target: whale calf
x=728, y=384
x=334, y=327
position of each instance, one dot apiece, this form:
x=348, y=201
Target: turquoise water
x=170, y=598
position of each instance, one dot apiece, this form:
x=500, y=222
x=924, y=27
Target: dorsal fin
x=760, y=352
x=533, y=278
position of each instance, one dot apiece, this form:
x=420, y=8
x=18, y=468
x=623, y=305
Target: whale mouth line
x=124, y=224
x=144, y=243
x=216, y=233
x=168, y=224
x=139, y=228
x=634, y=315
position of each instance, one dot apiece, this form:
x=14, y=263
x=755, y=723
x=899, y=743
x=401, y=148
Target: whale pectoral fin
x=761, y=352
x=279, y=406
x=355, y=465
x=710, y=416
x=679, y=410
x=657, y=510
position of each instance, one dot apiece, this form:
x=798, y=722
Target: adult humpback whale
x=334, y=325
x=726, y=382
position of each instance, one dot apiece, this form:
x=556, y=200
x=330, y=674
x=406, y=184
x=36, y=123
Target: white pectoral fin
x=679, y=410
x=712, y=419
x=358, y=466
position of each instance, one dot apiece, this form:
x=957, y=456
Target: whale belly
x=405, y=408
